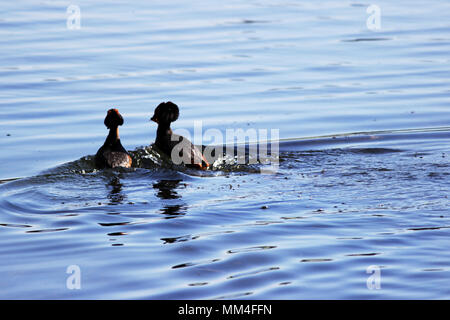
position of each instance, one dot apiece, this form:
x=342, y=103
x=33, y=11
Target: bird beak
x=154, y=119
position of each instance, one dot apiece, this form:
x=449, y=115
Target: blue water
x=363, y=177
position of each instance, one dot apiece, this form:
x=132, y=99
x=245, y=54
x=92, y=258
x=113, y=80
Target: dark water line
x=8, y=180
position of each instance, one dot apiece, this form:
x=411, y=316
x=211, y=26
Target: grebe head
x=166, y=112
x=113, y=119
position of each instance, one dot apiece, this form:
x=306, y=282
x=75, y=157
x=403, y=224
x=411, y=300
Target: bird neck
x=113, y=135
x=163, y=129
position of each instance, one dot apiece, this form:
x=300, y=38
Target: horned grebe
x=165, y=113
x=112, y=154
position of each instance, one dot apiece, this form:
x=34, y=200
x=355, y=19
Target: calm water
x=363, y=177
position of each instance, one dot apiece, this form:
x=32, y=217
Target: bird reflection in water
x=166, y=190
x=115, y=195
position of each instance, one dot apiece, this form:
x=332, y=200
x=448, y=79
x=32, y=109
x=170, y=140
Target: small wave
x=192, y=264
x=316, y=260
x=14, y=225
x=252, y=273
x=366, y=39
x=47, y=230
x=383, y=141
x=250, y=249
x=374, y=150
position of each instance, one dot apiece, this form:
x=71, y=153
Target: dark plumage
x=166, y=140
x=112, y=154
